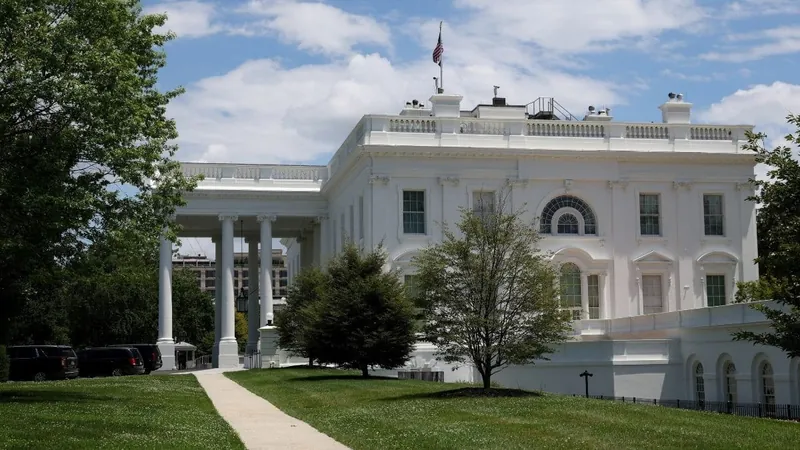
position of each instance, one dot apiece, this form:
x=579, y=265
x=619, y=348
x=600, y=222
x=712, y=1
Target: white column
x=165, y=342
x=252, y=296
x=584, y=295
x=228, y=348
x=217, y=299
x=265, y=287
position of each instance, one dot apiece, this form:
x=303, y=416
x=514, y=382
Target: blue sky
x=285, y=80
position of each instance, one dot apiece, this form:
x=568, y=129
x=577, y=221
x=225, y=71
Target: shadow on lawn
x=49, y=396
x=340, y=377
x=469, y=392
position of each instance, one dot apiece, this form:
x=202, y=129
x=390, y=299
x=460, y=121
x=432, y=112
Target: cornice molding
x=451, y=180
x=617, y=184
x=379, y=179
x=682, y=184
x=232, y=217
x=263, y=217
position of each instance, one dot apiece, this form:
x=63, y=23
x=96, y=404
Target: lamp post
x=585, y=375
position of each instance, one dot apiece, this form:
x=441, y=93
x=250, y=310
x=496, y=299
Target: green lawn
x=137, y=412
x=403, y=414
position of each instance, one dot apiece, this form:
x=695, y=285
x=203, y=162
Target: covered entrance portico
x=257, y=214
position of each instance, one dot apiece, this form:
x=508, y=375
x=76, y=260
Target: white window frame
x=480, y=191
x=654, y=263
x=703, y=215
x=401, y=234
x=660, y=197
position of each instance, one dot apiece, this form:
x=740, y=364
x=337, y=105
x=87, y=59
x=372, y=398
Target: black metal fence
x=766, y=410
x=424, y=375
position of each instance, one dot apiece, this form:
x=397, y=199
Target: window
x=483, y=203
x=352, y=223
x=713, y=218
x=361, y=217
x=715, y=290
x=245, y=283
x=210, y=274
x=767, y=386
x=245, y=274
x=199, y=274
x=343, y=232
x=567, y=201
x=414, y=212
x=236, y=273
x=284, y=273
x=699, y=384
x=210, y=283
x=412, y=288
x=730, y=383
x=568, y=224
x=649, y=215
x=653, y=299
x=594, y=297
x=571, y=289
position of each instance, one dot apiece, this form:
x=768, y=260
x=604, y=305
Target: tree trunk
x=310, y=360
x=487, y=380
x=364, y=371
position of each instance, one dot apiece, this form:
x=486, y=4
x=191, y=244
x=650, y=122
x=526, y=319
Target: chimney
x=446, y=105
x=675, y=110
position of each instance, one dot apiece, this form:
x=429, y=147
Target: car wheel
x=39, y=376
x=116, y=373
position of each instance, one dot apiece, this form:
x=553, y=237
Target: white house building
x=649, y=221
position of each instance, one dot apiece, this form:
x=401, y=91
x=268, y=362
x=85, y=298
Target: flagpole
x=441, y=61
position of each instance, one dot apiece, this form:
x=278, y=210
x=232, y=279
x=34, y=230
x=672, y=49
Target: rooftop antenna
x=496, y=87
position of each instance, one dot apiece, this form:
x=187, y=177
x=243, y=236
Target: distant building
x=205, y=271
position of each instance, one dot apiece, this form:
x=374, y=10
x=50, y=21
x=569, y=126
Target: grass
x=404, y=414
x=135, y=412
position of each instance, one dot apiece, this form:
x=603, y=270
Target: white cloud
x=315, y=26
x=187, y=18
x=579, y=26
x=765, y=106
x=771, y=42
x=744, y=9
x=263, y=112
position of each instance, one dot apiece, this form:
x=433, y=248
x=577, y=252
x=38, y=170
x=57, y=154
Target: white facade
x=650, y=217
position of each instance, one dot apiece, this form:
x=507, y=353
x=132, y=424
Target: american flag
x=439, y=50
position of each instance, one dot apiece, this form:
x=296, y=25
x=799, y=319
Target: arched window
x=571, y=294
x=730, y=383
x=574, y=203
x=568, y=224
x=767, y=386
x=699, y=384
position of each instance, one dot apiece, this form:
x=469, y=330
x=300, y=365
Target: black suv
x=114, y=361
x=151, y=355
x=42, y=362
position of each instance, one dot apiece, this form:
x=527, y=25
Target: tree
x=296, y=321
x=779, y=243
x=364, y=318
x=490, y=295
x=84, y=141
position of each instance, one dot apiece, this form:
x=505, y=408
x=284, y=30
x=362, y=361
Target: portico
x=276, y=204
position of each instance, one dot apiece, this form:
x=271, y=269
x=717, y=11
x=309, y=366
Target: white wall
x=677, y=254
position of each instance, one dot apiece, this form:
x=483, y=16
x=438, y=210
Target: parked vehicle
x=151, y=355
x=114, y=361
x=42, y=362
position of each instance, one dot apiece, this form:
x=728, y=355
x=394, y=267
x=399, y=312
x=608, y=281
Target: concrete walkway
x=259, y=424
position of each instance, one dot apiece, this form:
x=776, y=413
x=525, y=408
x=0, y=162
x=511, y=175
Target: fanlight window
x=568, y=222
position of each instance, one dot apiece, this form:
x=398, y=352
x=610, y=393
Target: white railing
x=550, y=128
x=727, y=315
x=256, y=172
